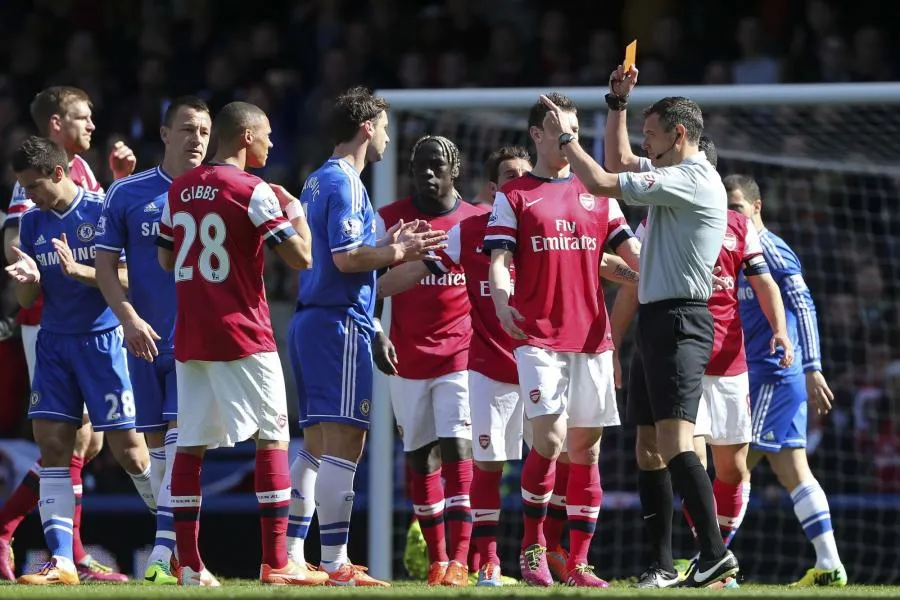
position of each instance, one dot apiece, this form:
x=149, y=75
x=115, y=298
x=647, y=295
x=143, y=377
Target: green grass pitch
x=236, y=588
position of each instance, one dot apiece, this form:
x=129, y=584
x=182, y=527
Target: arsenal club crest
x=588, y=202
x=484, y=441
x=730, y=242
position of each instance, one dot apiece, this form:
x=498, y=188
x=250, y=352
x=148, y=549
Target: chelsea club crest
x=85, y=232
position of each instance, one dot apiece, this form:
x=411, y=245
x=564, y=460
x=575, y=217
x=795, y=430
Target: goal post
x=825, y=154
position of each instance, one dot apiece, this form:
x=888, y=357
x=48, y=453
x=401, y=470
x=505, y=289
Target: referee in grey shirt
x=685, y=230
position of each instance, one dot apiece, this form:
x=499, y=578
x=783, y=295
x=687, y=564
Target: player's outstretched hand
x=67, y=262
x=384, y=354
x=818, y=392
x=621, y=83
x=122, y=160
x=392, y=234
x=508, y=317
x=24, y=270
x=419, y=245
x=421, y=226
x=140, y=339
x=555, y=122
x=782, y=339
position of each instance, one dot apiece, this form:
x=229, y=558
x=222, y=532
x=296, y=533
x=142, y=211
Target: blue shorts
x=77, y=371
x=331, y=357
x=155, y=392
x=779, y=412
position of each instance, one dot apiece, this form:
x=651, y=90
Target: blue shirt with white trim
x=130, y=223
x=340, y=219
x=70, y=307
x=799, y=310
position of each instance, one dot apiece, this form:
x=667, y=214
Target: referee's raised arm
x=685, y=229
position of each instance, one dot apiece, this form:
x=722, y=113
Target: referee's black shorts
x=675, y=340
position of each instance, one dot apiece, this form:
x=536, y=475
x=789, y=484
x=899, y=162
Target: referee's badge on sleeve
x=645, y=181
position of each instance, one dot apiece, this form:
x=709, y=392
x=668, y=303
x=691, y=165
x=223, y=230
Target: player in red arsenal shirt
x=62, y=114
x=494, y=399
x=430, y=332
x=723, y=418
x=229, y=378
x=556, y=232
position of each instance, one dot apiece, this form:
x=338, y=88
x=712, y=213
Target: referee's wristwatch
x=616, y=103
x=566, y=138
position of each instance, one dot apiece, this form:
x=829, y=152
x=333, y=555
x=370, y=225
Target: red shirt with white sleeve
x=430, y=323
x=490, y=352
x=557, y=231
x=740, y=246
x=81, y=173
x=215, y=222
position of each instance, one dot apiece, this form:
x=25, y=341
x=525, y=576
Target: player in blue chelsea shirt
x=130, y=223
x=331, y=333
x=80, y=357
x=779, y=395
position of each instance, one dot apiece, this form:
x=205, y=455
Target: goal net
x=826, y=159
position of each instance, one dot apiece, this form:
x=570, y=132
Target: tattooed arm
x=617, y=270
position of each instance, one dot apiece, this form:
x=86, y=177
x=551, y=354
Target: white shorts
x=29, y=342
x=576, y=384
x=223, y=403
x=428, y=409
x=497, y=419
x=723, y=417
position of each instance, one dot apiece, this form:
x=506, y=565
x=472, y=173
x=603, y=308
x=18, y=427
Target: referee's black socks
x=692, y=481
x=657, y=504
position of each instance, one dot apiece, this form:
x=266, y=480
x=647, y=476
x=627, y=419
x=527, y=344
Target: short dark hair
x=673, y=110
x=746, y=184
x=183, y=101
x=40, y=154
x=539, y=110
x=504, y=153
x=351, y=109
x=708, y=147
x=54, y=101
x=234, y=118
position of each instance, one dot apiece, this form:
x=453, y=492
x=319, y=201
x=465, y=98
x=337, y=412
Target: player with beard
x=426, y=355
